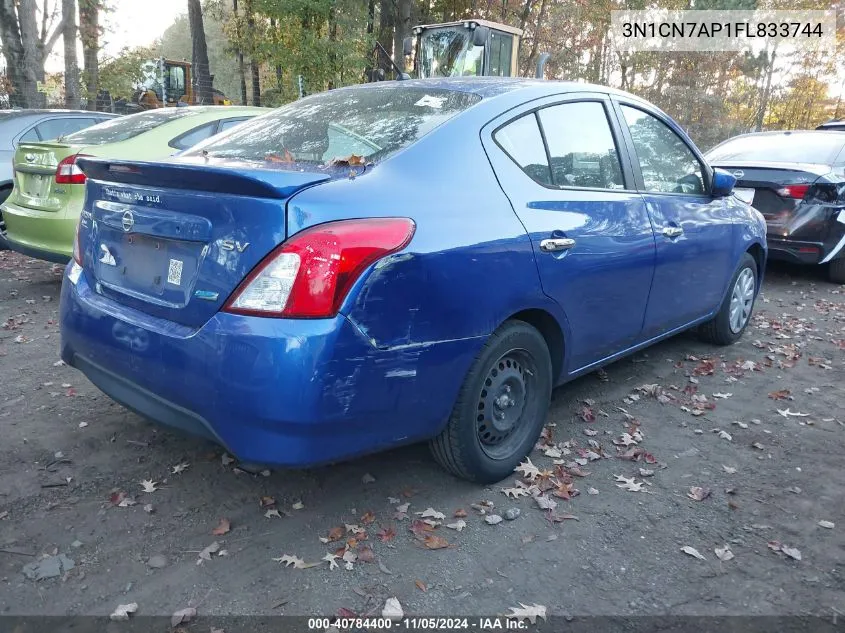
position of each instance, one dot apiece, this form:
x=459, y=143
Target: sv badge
x=233, y=245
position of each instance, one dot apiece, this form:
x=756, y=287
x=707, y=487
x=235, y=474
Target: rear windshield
x=125, y=127
x=790, y=148
x=369, y=123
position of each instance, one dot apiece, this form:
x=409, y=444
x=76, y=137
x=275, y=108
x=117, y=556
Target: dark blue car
x=406, y=261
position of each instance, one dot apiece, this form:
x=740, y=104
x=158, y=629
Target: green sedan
x=49, y=188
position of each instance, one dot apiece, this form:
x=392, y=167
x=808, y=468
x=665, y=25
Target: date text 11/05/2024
x=419, y=623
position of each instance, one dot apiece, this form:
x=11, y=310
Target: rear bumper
x=41, y=234
x=796, y=251
x=272, y=391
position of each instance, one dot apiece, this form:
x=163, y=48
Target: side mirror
x=408, y=46
x=479, y=35
x=723, y=183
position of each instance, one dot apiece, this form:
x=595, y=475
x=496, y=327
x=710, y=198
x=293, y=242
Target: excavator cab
x=469, y=48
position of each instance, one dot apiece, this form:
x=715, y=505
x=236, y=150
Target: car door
x=559, y=164
x=693, y=229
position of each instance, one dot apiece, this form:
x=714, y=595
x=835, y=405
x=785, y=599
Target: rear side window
x=54, y=128
x=225, y=124
x=522, y=141
x=126, y=127
x=581, y=146
x=666, y=161
x=810, y=147
x=30, y=137
x=372, y=122
x=192, y=137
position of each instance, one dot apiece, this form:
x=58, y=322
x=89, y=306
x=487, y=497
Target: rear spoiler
x=244, y=181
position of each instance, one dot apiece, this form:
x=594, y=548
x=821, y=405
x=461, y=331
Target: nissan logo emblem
x=738, y=174
x=128, y=221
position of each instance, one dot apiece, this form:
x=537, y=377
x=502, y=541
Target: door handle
x=673, y=231
x=556, y=244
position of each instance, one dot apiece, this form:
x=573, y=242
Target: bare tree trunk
x=71, y=63
x=24, y=93
x=385, y=24
x=254, y=65
x=767, y=92
x=526, y=11
x=89, y=33
x=402, y=30
x=199, y=54
x=240, y=51
x=33, y=62
x=535, y=45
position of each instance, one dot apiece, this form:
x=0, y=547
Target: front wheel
x=501, y=407
x=735, y=312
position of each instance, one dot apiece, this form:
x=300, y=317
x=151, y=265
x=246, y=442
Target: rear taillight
x=69, y=173
x=77, y=251
x=309, y=275
x=796, y=192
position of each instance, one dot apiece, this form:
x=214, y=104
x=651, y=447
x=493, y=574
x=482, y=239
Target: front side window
x=581, y=146
x=371, y=122
x=666, y=161
x=522, y=141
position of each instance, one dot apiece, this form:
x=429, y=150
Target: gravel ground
x=754, y=431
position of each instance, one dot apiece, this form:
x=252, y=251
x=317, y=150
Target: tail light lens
x=309, y=275
x=68, y=172
x=796, y=192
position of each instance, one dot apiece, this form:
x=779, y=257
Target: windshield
x=352, y=125
x=125, y=127
x=449, y=52
x=810, y=147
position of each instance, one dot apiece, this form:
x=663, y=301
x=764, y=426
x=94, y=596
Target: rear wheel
x=501, y=407
x=4, y=193
x=735, y=312
x=836, y=271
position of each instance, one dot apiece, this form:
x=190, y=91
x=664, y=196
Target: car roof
x=41, y=111
x=798, y=134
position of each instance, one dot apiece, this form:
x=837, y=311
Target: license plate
x=35, y=185
x=746, y=195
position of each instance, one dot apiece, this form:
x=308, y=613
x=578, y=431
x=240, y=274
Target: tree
x=25, y=48
x=199, y=54
x=239, y=51
x=89, y=33
x=69, y=33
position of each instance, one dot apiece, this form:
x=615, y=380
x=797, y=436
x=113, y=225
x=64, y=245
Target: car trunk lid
x=775, y=189
x=174, y=240
x=35, y=175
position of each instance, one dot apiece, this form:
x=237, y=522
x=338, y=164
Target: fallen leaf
x=123, y=610
x=419, y=527
x=529, y=612
x=207, y=552
x=182, y=615
x=552, y=451
x=686, y=549
x=789, y=413
x=432, y=541
x=725, y=435
x=180, y=468
x=697, y=493
x=645, y=472
x=292, y=561
x=298, y=505
x=222, y=528
x=528, y=470
x=148, y=508
x=460, y=524
x=629, y=484
x=722, y=396
x=272, y=512
x=126, y=502
x=431, y=513
x=421, y=585
x=826, y=524
x=386, y=534
x=368, y=479
x=149, y=485
x=724, y=553
x=592, y=491
x=266, y=502
x=332, y=560
x=545, y=503
x=513, y=493
x=368, y=517
x=493, y=519
x=366, y=554
x=392, y=610
x=783, y=394
x=758, y=446
x=792, y=552
x=460, y=513
x=729, y=469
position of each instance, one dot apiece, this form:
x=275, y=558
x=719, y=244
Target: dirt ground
x=72, y=462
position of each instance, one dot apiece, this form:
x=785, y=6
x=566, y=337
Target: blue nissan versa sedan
x=404, y=261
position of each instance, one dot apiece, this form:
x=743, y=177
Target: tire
x=836, y=271
x=511, y=377
x=719, y=330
